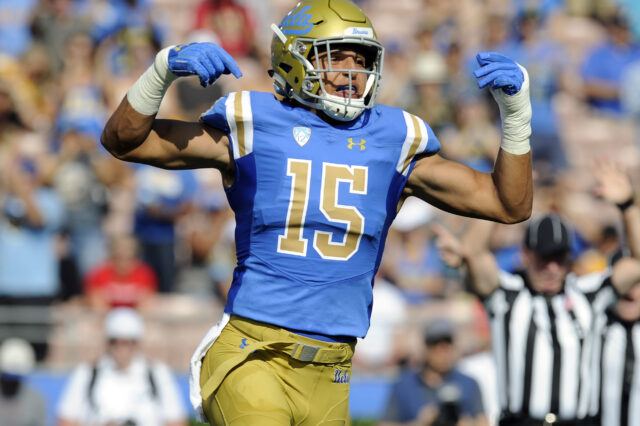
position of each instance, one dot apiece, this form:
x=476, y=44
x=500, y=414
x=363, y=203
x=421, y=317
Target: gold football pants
x=259, y=374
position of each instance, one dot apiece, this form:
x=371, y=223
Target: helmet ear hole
x=285, y=67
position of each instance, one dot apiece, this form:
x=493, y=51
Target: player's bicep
x=453, y=187
x=173, y=144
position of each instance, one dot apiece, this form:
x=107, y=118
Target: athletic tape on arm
x=515, y=112
x=147, y=92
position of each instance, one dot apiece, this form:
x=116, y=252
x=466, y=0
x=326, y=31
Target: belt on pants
x=270, y=337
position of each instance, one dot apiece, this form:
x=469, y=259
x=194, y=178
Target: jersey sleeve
x=233, y=115
x=216, y=116
x=419, y=141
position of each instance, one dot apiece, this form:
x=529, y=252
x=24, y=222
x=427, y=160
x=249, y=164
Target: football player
x=315, y=175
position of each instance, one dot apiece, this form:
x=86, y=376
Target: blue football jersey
x=313, y=203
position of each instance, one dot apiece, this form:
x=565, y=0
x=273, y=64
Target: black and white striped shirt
x=619, y=362
x=543, y=345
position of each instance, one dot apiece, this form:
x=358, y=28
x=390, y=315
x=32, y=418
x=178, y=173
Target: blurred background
x=81, y=232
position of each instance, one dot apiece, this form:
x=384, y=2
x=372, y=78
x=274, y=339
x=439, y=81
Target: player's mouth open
x=344, y=92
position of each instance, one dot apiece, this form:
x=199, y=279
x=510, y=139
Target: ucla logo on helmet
x=301, y=135
x=297, y=23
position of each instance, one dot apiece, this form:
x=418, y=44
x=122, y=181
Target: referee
x=616, y=365
x=542, y=321
x=619, y=349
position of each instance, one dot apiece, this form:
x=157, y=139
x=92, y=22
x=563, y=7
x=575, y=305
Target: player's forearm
x=512, y=177
x=132, y=121
x=126, y=129
x=512, y=172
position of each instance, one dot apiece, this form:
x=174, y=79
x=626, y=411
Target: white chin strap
x=336, y=108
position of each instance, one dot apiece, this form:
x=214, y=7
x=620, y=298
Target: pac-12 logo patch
x=301, y=135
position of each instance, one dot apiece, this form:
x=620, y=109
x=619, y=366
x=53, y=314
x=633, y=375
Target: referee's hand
x=448, y=245
x=613, y=183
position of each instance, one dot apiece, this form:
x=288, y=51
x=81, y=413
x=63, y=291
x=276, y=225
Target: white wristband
x=147, y=92
x=515, y=112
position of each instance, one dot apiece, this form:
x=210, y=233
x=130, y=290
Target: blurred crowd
x=82, y=232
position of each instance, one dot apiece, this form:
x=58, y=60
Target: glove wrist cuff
x=147, y=92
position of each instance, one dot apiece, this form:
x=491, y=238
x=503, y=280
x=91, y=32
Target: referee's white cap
x=123, y=323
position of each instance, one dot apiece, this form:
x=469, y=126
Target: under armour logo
x=360, y=144
x=244, y=344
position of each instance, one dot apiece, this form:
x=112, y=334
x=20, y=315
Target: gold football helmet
x=308, y=30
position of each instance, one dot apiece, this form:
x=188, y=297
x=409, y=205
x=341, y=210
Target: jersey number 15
x=292, y=241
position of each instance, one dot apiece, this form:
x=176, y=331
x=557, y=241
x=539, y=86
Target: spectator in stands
x=430, y=78
x=163, y=197
x=31, y=215
x=547, y=63
x=387, y=341
x=605, y=64
x=54, y=23
x=20, y=405
x=230, y=22
x=411, y=262
x=469, y=140
x=115, y=17
x=11, y=118
x=79, y=173
x=437, y=394
x=122, y=387
x=206, y=233
x=15, y=36
x=122, y=280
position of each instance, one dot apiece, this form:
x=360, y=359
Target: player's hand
x=613, y=183
x=206, y=60
x=498, y=72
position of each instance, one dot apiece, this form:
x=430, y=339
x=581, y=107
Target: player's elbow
x=517, y=215
x=108, y=139
x=118, y=140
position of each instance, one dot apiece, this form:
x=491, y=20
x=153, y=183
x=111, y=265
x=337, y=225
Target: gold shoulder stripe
x=239, y=119
x=415, y=144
